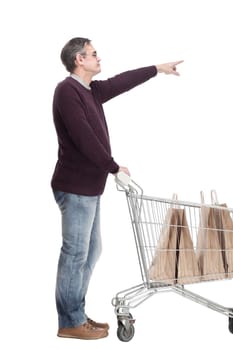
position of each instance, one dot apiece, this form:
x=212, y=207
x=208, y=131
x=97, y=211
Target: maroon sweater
x=84, y=152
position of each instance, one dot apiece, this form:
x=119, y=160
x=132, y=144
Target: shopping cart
x=177, y=244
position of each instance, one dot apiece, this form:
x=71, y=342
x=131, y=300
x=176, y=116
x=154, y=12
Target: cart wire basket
x=178, y=243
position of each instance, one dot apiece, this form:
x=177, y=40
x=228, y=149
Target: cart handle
x=125, y=182
x=122, y=179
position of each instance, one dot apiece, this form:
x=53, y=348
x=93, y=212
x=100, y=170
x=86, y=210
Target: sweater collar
x=76, y=77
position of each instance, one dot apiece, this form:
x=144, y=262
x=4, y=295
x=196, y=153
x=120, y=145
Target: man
x=84, y=162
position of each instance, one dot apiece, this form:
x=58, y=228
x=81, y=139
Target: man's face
x=90, y=60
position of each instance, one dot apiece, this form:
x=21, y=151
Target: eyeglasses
x=93, y=54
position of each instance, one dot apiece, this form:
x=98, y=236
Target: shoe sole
x=82, y=338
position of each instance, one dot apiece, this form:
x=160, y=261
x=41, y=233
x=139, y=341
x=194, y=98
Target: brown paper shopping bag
x=163, y=266
x=188, y=270
x=227, y=225
x=175, y=259
x=209, y=252
x=224, y=225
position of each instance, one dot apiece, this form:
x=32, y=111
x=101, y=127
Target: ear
x=79, y=59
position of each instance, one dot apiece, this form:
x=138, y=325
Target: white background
x=173, y=133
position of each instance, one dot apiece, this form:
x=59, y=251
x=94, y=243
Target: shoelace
x=89, y=326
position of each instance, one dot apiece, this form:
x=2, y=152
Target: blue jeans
x=81, y=248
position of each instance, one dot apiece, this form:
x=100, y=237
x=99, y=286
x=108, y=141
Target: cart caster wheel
x=125, y=334
x=230, y=324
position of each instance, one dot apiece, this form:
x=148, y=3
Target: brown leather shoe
x=98, y=324
x=85, y=331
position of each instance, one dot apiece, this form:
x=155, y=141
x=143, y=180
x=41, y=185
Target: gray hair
x=70, y=50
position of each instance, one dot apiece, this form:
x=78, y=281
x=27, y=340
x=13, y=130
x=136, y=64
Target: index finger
x=178, y=62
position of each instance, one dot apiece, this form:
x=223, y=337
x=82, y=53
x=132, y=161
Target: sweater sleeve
x=123, y=82
x=72, y=113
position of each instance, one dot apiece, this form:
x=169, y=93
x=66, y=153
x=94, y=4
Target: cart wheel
x=230, y=324
x=125, y=334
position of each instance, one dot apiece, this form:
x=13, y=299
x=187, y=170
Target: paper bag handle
x=202, y=197
x=214, y=197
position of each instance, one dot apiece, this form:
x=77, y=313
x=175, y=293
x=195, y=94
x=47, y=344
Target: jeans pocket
x=59, y=197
